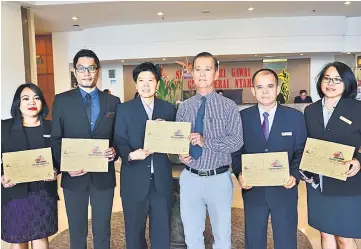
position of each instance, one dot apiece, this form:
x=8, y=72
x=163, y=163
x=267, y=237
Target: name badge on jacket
x=286, y=134
x=346, y=120
x=46, y=135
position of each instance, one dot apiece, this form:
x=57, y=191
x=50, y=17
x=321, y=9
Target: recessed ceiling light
x=206, y=11
x=76, y=26
x=74, y=18
x=250, y=9
x=255, y=55
x=347, y=3
x=164, y=59
x=269, y=56
x=348, y=53
x=122, y=60
x=301, y=54
x=160, y=13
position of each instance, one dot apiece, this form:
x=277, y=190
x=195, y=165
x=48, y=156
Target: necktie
x=265, y=125
x=196, y=151
x=88, y=107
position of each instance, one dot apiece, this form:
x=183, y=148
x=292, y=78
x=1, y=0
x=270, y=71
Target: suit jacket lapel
x=257, y=127
x=140, y=109
x=19, y=134
x=102, y=105
x=319, y=118
x=79, y=107
x=277, y=123
x=336, y=113
x=156, y=109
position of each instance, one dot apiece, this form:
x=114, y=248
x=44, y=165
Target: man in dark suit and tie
x=269, y=127
x=145, y=178
x=87, y=113
x=303, y=98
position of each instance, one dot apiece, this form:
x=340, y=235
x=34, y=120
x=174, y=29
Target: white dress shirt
x=271, y=116
x=149, y=110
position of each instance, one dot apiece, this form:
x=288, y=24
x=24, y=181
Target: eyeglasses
x=328, y=80
x=82, y=69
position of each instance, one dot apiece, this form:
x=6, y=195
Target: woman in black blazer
x=28, y=210
x=334, y=206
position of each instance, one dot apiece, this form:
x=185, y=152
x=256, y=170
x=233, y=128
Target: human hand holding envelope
x=266, y=169
x=327, y=158
x=27, y=166
x=167, y=137
x=79, y=156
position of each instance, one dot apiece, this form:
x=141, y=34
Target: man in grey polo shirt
x=206, y=182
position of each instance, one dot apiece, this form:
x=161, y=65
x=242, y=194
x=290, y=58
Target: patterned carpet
x=118, y=241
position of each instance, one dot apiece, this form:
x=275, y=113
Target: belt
x=212, y=172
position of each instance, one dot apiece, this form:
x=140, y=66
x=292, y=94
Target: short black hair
x=267, y=70
x=86, y=53
x=15, y=107
x=147, y=67
x=209, y=55
x=347, y=76
x=302, y=92
x=106, y=90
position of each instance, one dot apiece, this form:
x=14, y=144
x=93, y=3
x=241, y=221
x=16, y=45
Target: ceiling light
x=347, y=3
x=164, y=59
x=250, y=9
x=76, y=26
x=255, y=55
x=268, y=56
x=206, y=11
x=122, y=60
x=301, y=54
x=160, y=13
x=348, y=53
x=74, y=18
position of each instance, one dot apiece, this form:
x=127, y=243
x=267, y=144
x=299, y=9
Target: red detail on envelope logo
x=276, y=164
x=39, y=159
x=338, y=155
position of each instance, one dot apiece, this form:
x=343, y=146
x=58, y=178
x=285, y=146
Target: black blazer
x=286, y=120
x=70, y=121
x=13, y=139
x=338, y=131
x=298, y=99
x=129, y=136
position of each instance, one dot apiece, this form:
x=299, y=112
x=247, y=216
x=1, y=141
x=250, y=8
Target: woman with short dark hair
x=28, y=210
x=334, y=206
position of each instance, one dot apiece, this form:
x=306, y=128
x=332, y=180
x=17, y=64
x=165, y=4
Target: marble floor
x=311, y=233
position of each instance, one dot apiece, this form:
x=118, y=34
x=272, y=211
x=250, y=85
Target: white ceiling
x=56, y=16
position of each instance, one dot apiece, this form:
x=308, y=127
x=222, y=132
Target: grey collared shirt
x=149, y=110
x=326, y=117
x=222, y=129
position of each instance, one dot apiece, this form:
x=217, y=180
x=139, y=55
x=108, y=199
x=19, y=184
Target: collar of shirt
x=93, y=94
x=148, y=108
x=271, y=112
x=209, y=96
x=334, y=105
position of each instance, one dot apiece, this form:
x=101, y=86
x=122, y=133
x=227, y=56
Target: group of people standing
x=220, y=135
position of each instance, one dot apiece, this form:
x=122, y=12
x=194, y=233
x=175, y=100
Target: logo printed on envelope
x=285, y=134
x=96, y=151
x=40, y=161
x=346, y=120
x=338, y=156
x=276, y=164
x=178, y=134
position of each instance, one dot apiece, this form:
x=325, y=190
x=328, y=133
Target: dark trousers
x=158, y=208
x=76, y=203
x=284, y=223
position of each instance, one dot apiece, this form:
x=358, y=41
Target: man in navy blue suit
x=270, y=127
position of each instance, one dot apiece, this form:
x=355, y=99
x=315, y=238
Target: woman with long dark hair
x=28, y=210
